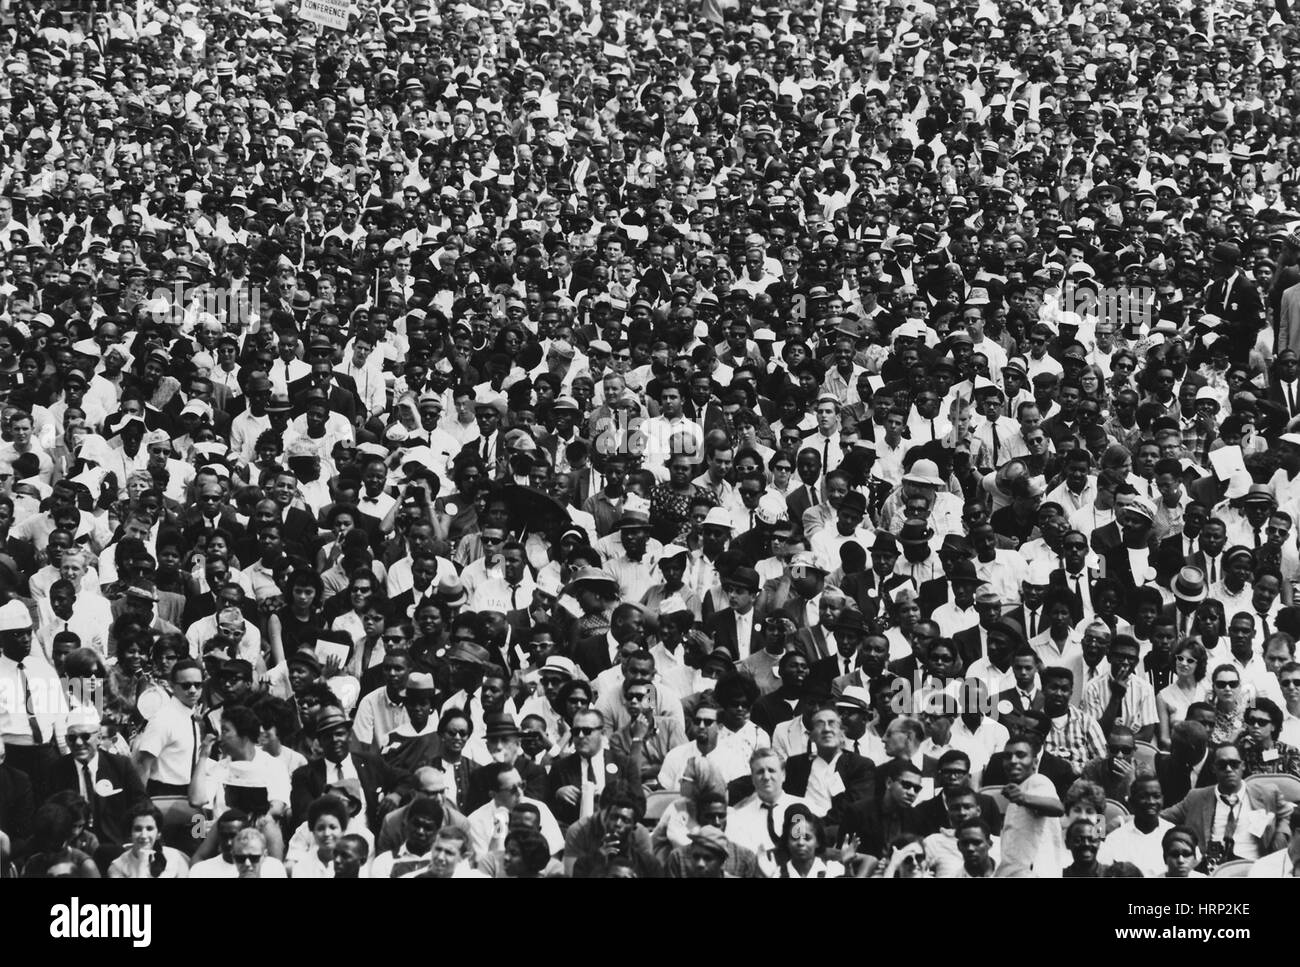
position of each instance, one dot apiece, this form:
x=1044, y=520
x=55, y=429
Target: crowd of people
x=650, y=439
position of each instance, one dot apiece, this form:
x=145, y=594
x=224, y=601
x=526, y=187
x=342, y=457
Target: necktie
x=90, y=786
x=514, y=597
x=1263, y=624
x=1257, y=540
x=1214, y=571
x=1230, y=828
x=856, y=750
x=933, y=435
x=1033, y=623
x=1078, y=589
x=27, y=704
x=826, y=453
x=338, y=772
x=1290, y=398
x=194, y=758
x=486, y=449
x=591, y=773
x=812, y=495
x=848, y=667
x=1010, y=404
x=770, y=809
x=993, y=428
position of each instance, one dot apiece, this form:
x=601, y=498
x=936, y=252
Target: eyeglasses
x=1264, y=722
x=701, y=720
x=189, y=684
x=1229, y=763
x=584, y=730
x=79, y=737
x=462, y=733
x=1290, y=682
x=242, y=858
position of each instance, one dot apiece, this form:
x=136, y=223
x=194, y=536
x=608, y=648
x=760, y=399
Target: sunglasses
x=584, y=730
x=246, y=858
x=1227, y=684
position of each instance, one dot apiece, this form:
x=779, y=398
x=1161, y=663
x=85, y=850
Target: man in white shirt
x=758, y=823
x=1137, y=841
x=489, y=823
x=702, y=729
x=670, y=425
x=88, y=616
x=170, y=745
x=222, y=866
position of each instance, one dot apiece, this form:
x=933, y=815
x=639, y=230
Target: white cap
x=1040, y=573
x=14, y=616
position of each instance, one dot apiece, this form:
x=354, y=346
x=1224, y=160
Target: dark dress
x=670, y=512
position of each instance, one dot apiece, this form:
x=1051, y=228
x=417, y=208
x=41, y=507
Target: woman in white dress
x=1186, y=686
x=148, y=858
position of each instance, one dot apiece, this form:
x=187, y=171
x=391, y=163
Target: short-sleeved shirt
x=172, y=737
x=1137, y=710
x=1031, y=843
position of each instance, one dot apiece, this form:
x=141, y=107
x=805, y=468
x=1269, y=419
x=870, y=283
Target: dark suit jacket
x=932, y=815
x=377, y=777
x=825, y=671
x=1018, y=703
x=1196, y=810
x=857, y=772
x=1021, y=617
x=535, y=784
x=968, y=645
x=1176, y=780
x=864, y=819
x=868, y=590
x=109, y=818
x=931, y=594
x=812, y=642
x=1116, y=565
x=722, y=629
x=1058, y=581
x=568, y=772
x=1056, y=769
x=592, y=654
x=1241, y=308
x=17, y=803
x=799, y=501
x=1169, y=559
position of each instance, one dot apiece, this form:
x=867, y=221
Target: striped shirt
x=1076, y=736
x=1137, y=710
